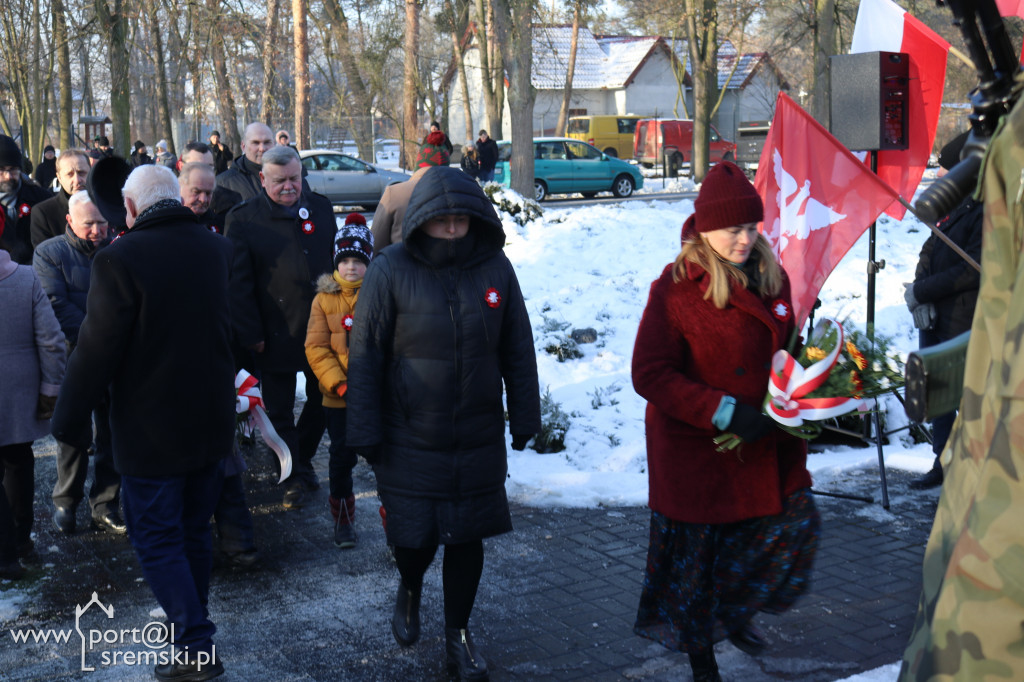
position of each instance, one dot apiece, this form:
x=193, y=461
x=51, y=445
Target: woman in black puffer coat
x=439, y=326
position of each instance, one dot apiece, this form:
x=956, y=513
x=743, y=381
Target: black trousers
x=73, y=467
x=18, y=468
x=303, y=437
x=460, y=575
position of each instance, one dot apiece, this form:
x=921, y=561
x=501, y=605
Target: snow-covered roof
x=610, y=62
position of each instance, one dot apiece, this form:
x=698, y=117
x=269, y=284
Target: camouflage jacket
x=969, y=621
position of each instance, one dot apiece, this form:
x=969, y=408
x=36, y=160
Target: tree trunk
x=458, y=30
x=65, y=120
x=269, y=55
x=115, y=23
x=301, y=74
x=361, y=123
x=410, y=132
x=225, y=101
x=702, y=29
x=165, y=130
x=485, y=44
x=498, y=76
x=563, y=111
x=824, y=47
x=513, y=24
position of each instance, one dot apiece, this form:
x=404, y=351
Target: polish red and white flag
x=818, y=200
x=883, y=26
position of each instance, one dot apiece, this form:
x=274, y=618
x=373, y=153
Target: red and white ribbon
x=248, y=399
x=790, y=382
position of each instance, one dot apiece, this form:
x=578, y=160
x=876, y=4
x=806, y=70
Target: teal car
x=565, y=166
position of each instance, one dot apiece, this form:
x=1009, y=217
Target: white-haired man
x=158, y=334
x=63, y=265
x=284, y=241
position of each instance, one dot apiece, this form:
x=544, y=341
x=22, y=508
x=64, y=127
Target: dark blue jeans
x=169, y=525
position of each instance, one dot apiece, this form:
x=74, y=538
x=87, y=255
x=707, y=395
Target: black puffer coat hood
x=444, y=190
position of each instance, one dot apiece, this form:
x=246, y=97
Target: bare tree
x=492, y=72
x=702, y=33
x=225, y=100
x=165, y=130
x=563, y=110
x=513, y=26
x=269, y=57
x=410, y=127
x=301, y=74
x=824, y=47
x=65, y=123
x=113, y=19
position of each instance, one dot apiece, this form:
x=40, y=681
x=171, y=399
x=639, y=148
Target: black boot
x=704, y=667
x=405, y=623
x=932, y=479
x=749, y=639
x=464, y=661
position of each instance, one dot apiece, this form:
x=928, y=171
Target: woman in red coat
x=732, y=533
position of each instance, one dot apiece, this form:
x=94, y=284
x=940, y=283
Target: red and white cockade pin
x=492, y=297
x=24, y=210
x=308, y=227
x=781, y=309
x=347, y=322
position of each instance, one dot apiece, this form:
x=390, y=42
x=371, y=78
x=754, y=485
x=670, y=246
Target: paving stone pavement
x=557, y=599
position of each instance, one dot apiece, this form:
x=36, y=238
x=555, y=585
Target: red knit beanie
x=726, y=199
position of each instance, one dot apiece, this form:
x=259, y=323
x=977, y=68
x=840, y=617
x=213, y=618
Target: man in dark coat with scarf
x=18, y=196
x=157, y=333
x=440, y=327
x=63, y=265
x=284, y=241
x=49, y=218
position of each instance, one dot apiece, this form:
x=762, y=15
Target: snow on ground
x=592, y=266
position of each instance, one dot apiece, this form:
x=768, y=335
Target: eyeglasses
x=10, y=170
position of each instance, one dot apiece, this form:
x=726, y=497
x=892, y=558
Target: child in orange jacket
x=330, y=323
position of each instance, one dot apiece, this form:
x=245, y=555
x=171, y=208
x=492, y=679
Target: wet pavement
x=556, y=602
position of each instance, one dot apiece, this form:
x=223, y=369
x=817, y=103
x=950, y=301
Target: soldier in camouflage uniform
x=969, y=621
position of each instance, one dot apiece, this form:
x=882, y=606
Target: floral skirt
x=705, y=582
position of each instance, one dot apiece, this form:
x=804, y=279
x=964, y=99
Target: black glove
x=519, y=441
x=45, y=405
x=749, y=423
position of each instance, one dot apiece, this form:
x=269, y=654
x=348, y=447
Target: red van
x=672, y=140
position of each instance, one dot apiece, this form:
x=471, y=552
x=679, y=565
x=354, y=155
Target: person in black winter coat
x=944, y=292
x=244, y=175
x=158, y=334
x=440, y=326
x=50, y=217
x=46, y=171
x=18, y=195
x=488, y=151
x=284, y=241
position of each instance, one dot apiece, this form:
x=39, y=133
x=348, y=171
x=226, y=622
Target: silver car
x=346, y=180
